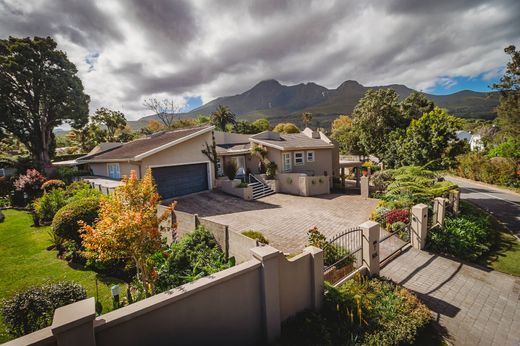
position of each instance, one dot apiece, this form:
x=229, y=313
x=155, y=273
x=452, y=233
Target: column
x=317, y=276
x=371, y=231
x=419, y=226
x=73, y=324
x=364, y=187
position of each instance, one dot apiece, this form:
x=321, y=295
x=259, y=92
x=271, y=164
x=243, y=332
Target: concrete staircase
x=260, y=189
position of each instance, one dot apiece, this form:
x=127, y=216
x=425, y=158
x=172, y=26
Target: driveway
x=283, y=219
x=503, y=204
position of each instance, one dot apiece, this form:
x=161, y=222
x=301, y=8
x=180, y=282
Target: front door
x=287, y=162
x=240, y=162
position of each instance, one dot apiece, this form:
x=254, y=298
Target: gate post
x=439, y=211
x=455, y=201
x=371, y=232
x=419, y=226
x=73, y=324
x=364, y=187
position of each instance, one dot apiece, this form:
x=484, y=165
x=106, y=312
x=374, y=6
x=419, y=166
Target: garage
x=174, y=181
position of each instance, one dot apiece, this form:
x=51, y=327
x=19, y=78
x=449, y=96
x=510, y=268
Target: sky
x=194, y=51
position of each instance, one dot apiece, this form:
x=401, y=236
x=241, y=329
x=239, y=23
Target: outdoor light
x=115, y=295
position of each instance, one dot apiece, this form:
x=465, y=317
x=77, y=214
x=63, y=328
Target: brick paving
x=474, y=306
x=283, y=219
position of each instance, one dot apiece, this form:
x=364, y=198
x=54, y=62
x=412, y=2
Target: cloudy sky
x=194, y=51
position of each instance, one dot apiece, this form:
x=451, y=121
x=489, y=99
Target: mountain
x=279, y=102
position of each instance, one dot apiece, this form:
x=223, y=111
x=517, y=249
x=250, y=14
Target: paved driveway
x=475, y=306
x=283, y=219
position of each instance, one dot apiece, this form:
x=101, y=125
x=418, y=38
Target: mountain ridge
x=278, y=102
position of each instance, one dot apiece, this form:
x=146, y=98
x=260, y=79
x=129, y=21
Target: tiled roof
x=233, y=148
x=130, y=150
x=294, y=141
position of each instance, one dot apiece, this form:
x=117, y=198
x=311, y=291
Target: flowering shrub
x=30, y=182
x=380, y=213
x=51, y=184
x=397, y=215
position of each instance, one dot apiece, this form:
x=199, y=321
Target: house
x=309, y=152
x=178, y=164
x=474, y=140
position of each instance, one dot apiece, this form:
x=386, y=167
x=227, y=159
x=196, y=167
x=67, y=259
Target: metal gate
x=390, y=243
x=342, y=254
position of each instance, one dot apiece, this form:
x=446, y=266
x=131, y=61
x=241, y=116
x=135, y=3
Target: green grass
x=25, y=261
x=505, y=251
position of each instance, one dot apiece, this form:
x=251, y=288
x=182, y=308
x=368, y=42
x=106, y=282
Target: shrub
x=52, y=184
x=332, y=253
x=230, y=170
x=6, y=186
x=33, y=308
x=360, y=312
x=270, y=170
x=49, y=204
x=66, y=174
x=5, y=201
x=397, y=215
x=195, y=255
x=381, y=180
x=65, y=223
x=80, y=190
x=466, y=237
x=256, y=235
x=495, y=170
x=30, y=182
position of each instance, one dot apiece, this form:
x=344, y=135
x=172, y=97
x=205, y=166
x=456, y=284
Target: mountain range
x=281, y=103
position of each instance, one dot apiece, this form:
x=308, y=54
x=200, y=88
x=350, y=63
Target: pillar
x=456, y=202
x=419, y=226
x=371, y=233
x=357, y=175
x=270, y=282
x=316, y=276
x=73, y=324
x=342, y=177
x=364, y=187
x=439, y=211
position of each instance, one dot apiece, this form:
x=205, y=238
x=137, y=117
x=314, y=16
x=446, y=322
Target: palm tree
x=223, y=116
x=307, y=118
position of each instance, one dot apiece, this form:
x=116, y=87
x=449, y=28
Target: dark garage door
x=176, y=181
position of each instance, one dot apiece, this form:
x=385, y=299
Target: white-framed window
x=113, y=170
x=310, y=156
x=299, y=160
x=287, y=162
x=220, y=169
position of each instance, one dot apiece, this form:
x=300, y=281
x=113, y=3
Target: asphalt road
x=504, y=205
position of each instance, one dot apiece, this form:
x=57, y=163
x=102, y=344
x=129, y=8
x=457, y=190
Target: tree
x=223, y=116
x=307, y=119
x=39, y=91
x=164, y=110
x=85, y=138
x=415, y=105
x=346, y=136
x=112, y=123
x=245, y=127
x=286, y=128
x=432, y=137
x=375, y=116
x=128, y=227
x=262, y=124
x=508, y=109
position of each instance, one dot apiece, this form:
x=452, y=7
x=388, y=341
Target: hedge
x=65, y=223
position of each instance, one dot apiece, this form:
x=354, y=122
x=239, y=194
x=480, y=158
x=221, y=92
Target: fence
x=342, y=254
x=242, y=305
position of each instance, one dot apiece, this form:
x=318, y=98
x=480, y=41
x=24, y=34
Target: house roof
x=233, y=149
x=292, y=141
x=143, y=147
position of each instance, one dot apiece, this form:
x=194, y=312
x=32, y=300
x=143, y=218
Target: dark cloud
x=130, y=50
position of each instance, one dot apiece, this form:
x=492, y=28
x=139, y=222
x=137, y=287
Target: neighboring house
x=309, y=152
x=474, y=140
x=178, y=164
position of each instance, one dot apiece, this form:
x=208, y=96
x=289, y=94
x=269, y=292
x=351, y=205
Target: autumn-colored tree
x=154, y=126
x=128, y=227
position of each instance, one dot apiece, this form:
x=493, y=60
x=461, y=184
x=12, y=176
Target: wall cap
x=73, y=315
x=369, y=224
x=264, y=252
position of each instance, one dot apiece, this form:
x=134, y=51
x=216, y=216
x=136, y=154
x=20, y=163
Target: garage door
x=173, y=181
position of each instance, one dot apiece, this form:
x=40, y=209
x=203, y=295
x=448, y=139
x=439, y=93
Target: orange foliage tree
x=128, y=227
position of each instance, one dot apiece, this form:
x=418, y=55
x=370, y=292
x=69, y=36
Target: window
x=298, y=158
x=220, y=170
x=287, y=163
x=310, y=156
x=113, y=171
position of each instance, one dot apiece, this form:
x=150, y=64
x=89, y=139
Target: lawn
x=25, y=261
x=505, y=252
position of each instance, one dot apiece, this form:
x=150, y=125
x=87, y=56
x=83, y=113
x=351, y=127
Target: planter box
x=334, y=274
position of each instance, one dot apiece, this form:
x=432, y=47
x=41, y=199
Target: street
x=504, y=205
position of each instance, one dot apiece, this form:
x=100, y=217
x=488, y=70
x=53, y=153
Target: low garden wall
x=232, y=187
x=242, y=305
x=302, y=184
x=232, y=243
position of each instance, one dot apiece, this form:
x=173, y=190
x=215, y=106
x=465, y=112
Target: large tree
x=39, y=90
x=508, y=110
x=112, y=123
x=432, y=138
x=164, y=110
x=223, y=116
x=415, y=105
x=376, y=115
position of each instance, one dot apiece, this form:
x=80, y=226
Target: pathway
x=475, y=306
